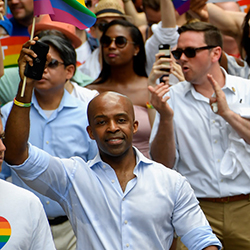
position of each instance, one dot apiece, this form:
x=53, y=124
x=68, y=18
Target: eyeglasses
x=54, y=64
x=189, y=52
x=101, y=26
x=120, y=41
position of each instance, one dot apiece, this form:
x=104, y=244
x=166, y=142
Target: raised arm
x=18, y=124
x=138, y=18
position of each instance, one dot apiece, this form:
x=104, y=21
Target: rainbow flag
x=5, y=231
x=68, y=11
x=11, y=47
x=181, y=6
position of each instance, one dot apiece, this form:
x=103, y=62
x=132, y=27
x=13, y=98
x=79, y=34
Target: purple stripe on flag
x=181, y=6
x=42, y=7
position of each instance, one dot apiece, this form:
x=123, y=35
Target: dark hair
x=152, y=4
x=245, y=40
x=63, y=46
x=139, y=63
x=212, y=35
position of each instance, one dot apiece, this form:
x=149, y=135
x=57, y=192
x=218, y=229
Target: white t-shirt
x=23, y=223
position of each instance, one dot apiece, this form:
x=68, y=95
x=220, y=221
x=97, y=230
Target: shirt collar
x=140, y=158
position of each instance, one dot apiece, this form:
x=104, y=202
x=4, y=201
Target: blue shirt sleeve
x=7, y=25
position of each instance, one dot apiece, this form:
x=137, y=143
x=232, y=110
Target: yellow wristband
x=149, y=106
x=22, y=105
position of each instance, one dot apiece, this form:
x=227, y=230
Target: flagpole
x=31, y=38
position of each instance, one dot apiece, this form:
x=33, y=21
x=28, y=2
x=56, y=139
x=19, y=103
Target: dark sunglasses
x=189, y=52
x=54, y=64
x=120, y=41
x=101, y=26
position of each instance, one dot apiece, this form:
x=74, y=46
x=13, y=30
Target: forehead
x=107, y=19
x=110, y=106
x=117, y=30
x=191, y=39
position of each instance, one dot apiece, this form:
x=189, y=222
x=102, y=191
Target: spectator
x=191, y=132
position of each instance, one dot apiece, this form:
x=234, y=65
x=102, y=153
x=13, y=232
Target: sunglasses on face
x=101, y=26
x=120, y=41
x=189, y=52
x=54, y=64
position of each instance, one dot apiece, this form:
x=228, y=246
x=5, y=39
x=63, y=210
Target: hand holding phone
x=36, y=71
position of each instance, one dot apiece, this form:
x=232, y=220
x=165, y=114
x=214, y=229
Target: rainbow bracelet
x=149, y=106
x=21, y=104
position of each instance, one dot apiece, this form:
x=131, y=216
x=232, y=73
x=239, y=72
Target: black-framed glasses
x=101, y=26
x=54, y=64
x=189, y=52
x=120, y=41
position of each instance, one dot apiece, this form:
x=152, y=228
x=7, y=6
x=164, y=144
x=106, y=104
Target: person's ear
x=90, y=132
x=70, y=71
x=216, y=53
x=137, y=49
x=135, y=126
x=93, y=31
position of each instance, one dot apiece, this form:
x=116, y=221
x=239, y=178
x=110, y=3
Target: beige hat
x=110, y=8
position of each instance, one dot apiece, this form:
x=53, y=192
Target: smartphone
x=36, y=71
x=164, y=48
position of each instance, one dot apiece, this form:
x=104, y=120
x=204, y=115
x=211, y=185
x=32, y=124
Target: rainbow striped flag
x=11, y=47
x=181, y=6
x=67, y=11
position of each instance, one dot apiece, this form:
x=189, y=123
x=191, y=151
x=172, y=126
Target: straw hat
x=67, y=29
x=110, y=8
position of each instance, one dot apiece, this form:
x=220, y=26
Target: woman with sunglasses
x=124, y=72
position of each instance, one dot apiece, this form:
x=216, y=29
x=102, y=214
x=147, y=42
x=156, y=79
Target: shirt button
x=215, y=141
x=104, y=166
x=47, y=142
x=126, y=222
x=47, y=202
x=127, y=245
x=221, y=180
x=123, y=199
x=113, y=181
x=213, y=121
x=218, y=160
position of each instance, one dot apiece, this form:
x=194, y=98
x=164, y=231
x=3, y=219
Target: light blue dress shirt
x=63, y=134
x=155, y=203
x=201, y=138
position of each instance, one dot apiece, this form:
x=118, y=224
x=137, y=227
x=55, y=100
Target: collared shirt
x=202, y=138
x=154, y=204
x=63, y=134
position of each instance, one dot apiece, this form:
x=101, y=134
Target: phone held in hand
x=36, y=71
x=165, y=48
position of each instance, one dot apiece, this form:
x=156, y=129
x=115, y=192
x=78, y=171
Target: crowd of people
x=119, y=146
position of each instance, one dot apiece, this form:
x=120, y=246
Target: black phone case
x=36, y=71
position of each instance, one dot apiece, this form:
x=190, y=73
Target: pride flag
x=68, y=11
x=11, y=47
x=181, y=6
x=5, y=231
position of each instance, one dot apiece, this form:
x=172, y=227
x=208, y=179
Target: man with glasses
x=201, y=129
x=58, y=122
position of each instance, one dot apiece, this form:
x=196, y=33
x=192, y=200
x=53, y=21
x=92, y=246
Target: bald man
x=118, y=200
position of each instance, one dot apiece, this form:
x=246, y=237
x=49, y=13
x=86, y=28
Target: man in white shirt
x=193, y=132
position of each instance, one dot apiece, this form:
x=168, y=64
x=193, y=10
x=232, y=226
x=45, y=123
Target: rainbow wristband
x=149, y=106
x=21, y=104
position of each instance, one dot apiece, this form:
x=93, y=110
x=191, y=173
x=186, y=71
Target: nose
x=113, y=127
x=2, y=146
x=112, y=44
